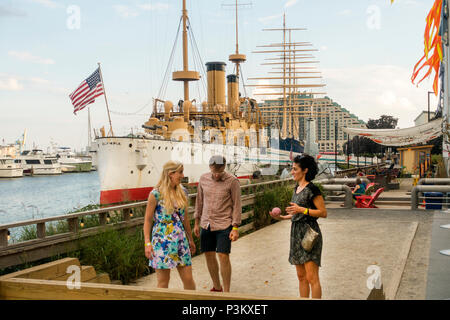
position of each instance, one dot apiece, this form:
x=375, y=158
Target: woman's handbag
x=309, y=239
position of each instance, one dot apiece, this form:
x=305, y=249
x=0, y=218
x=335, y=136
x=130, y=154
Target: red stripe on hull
x=245, y=177
x=138, y=194
x=124, y=195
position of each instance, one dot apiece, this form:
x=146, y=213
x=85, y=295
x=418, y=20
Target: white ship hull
x=129, y=168
x=37, y=170
x=36, y=163
x=10, y=169
x=11, y=172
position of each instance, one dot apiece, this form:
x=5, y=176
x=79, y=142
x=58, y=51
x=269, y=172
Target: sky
x=367, y=51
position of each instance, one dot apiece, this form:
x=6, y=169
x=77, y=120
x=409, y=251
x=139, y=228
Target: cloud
x=154, y=6
x=11, y=12
x=290, y=3
x=133, y=11
x=48, y=3
x=26, y=56
x=125, y=11
x=10, y=84
x=373, y=90
x=269, y=18
x=39, y=81
x=345, y=12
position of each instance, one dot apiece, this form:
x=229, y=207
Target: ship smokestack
x=216, y=84
x=233, y=92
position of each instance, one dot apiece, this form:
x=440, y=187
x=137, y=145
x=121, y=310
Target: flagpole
x=445, y=79
x=106, y=100
x=89, y=128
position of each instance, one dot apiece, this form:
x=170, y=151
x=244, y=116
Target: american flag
x=87, y=91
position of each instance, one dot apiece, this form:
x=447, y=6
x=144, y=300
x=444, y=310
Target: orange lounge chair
x=365, y=201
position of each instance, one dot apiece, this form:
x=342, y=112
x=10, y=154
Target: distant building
x=328, y=112
x=10, y=150
x=423, y=118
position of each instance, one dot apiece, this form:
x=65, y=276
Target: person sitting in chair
x=359, y=189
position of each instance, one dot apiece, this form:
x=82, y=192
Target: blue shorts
x=218, y=240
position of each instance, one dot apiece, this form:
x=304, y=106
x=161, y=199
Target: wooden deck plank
x=18, y=288
x=87, y=273
x=100, y=278
x=44, y=271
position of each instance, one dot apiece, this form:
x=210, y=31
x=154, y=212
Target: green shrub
x=266, y=201
x=116, y=252
x=324, y=193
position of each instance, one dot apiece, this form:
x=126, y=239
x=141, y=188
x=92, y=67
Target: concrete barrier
x=415, y=193
x=348, y=202
x=434, y=181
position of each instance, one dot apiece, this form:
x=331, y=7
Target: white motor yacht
x=10, y=169
x=34, y=162
x=70, y=162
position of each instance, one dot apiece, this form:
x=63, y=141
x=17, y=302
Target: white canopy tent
x=400, y=137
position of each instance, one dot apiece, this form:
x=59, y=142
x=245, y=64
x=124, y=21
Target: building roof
x=432, y=113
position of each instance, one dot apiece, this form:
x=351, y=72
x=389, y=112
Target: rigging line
x=243, y=82
x=196, y=47
x=171, y=59
x=161, y=90
x=132, y=113
x=202, y=70
x=194, y=58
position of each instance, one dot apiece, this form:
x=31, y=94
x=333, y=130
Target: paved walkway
x=438, y=279
x=396, y=241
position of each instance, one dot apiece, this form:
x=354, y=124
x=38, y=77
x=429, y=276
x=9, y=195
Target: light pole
x=348, y=151
x=429, y=105
x=335, y=143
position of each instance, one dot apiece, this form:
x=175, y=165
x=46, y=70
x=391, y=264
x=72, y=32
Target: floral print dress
x=169, y=241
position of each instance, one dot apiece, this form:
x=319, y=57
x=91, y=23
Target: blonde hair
x=168, y=194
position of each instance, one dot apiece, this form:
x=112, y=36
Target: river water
x=46, y=196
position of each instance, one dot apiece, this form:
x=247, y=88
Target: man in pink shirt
x=218, y=214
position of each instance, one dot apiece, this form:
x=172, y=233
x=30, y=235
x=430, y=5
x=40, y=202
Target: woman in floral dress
x=170, y=243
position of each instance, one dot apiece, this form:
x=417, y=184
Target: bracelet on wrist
x=306, y=212
x=148, y=244
x=235, y=228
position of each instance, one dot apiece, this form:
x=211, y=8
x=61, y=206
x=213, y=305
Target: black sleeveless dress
x=297, y=255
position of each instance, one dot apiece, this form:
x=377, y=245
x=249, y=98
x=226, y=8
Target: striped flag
x=87, y=91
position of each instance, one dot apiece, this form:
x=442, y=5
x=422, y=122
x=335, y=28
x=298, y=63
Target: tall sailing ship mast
x=293, y=64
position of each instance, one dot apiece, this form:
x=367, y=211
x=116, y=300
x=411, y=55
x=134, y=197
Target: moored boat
x=34, y=162
x=10, y=169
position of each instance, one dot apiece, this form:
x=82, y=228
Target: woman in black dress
x=306, y=206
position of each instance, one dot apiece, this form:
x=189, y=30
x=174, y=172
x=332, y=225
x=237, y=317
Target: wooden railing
x=125, y=216
x=352, y=171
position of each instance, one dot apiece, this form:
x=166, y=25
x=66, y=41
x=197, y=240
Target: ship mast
x=186, y=76
x=237, y=58
x=292, y=56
